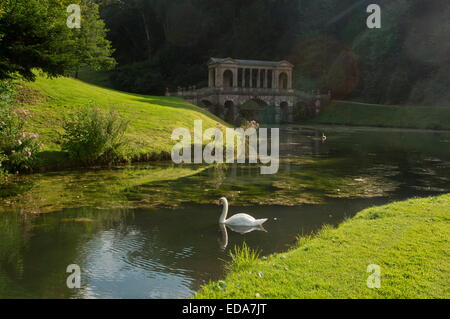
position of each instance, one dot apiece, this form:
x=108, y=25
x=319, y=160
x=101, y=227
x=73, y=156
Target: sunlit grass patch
x=151, y=118
x=402, y=116
x=242, y=257
x=408, y=240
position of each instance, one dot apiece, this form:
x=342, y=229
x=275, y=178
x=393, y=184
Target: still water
x=151, y=231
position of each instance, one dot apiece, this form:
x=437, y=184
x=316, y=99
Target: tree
x=92, y=49
x=166, y=43
x=33, y=34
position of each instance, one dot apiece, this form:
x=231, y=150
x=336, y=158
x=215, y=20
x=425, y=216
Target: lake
x=151, y=230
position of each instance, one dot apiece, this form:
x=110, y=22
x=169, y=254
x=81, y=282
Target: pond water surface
x=151, y=231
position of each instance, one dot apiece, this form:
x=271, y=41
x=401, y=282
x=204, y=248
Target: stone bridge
x=242, y=90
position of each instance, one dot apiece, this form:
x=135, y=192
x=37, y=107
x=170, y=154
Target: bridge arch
x=252, y=109
x=219, y=111
x=206, y=103
x=259, y=101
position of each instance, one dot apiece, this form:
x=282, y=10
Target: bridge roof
x=251, y=62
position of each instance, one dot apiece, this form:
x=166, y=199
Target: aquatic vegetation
x=104, y=189
x=310, y=183
x=350, y=164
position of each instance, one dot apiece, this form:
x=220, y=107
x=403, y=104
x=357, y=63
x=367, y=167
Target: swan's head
x=222, y=201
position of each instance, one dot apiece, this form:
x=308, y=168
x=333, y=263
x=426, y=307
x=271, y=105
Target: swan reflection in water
x=238, y=229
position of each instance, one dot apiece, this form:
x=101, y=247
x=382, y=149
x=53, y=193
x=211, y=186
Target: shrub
x=18, y=149
x=3, y=173
x=7, y=92
x=94, y=137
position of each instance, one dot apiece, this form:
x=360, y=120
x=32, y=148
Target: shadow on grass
x=175, y=103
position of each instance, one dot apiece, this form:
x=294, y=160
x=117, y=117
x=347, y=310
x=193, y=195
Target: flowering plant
x=18, y=149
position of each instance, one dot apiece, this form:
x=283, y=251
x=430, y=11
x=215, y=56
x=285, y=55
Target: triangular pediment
x=286, y=63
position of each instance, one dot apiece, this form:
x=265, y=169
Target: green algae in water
x=351, y=164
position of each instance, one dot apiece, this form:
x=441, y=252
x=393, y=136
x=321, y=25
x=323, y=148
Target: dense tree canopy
x=166, y=43
x=90, y=45
x=34, y=34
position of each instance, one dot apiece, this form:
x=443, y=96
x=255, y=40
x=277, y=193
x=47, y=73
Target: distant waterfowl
x=238, y=219
x=322, y=138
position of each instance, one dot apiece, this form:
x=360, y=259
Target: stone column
x=258, y=79
x=246, y=81
x=266, y=78
x=289, y=81
x=242, y=77
x=235, y=77
x=251, y=77
x=219, y=77
x=275, y=79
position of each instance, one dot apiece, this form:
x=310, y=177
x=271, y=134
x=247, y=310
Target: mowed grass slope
x=409, y=240
x=362, y=114
x=152, y=119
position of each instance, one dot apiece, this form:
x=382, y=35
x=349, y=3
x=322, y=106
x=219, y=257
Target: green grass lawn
x=152, y=118
x=360, y=114
x=409, y=240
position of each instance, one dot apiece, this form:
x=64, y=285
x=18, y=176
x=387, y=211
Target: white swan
x=238, y=219
x=324, y=138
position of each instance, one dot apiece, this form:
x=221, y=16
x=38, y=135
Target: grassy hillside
x=152, y=118
x=360, y=114
x=409, y=241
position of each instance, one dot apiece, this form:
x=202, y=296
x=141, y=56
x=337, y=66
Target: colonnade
x=250, y=77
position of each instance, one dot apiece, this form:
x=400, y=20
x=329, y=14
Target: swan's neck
x=224, y=212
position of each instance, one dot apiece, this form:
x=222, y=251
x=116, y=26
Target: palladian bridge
x=251, y=90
